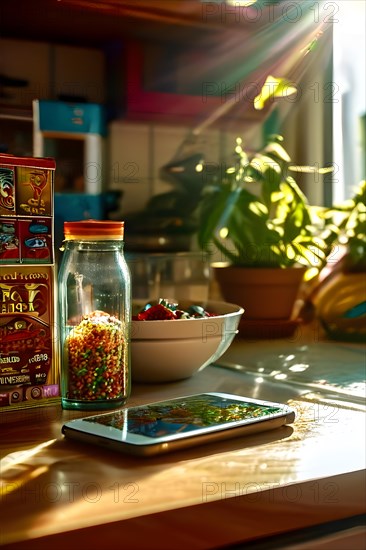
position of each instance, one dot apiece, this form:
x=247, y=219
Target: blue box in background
x=81, y=118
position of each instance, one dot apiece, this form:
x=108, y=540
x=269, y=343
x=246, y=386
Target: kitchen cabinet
x=190, y=32
x=78, y=72
x=32, y=70
x=39, y=70
x=25, y=72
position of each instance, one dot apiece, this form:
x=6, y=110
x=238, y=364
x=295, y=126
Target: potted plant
x=255, y=216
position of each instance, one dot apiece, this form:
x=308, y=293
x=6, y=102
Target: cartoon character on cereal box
x=33, y=191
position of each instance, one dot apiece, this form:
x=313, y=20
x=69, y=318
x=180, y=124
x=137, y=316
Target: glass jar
x=95, y=316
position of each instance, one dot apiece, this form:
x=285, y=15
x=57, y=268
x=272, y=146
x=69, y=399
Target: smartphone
x=179, y=423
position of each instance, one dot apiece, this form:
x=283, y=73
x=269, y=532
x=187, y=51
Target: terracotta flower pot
x=264, y=293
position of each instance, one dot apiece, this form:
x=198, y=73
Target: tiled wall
x=137, y=152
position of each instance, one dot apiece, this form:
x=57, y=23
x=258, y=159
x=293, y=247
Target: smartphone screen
x=194, y=419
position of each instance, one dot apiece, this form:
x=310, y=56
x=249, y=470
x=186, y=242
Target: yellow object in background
x=341, y=306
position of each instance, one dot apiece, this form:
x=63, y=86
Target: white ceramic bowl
x=165, y=351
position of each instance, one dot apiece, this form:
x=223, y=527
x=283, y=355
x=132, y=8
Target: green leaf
x=293, y=224
x=276, y=151
x=273, y=87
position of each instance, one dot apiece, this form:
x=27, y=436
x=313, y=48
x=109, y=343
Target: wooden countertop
x=56, y=491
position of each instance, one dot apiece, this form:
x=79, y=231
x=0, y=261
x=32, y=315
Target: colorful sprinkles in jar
x=96, y=358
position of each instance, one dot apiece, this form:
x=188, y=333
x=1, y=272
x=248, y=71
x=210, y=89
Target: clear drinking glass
x=172, y=276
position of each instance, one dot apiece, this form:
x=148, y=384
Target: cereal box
x=28, y=342
x=29, y=362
